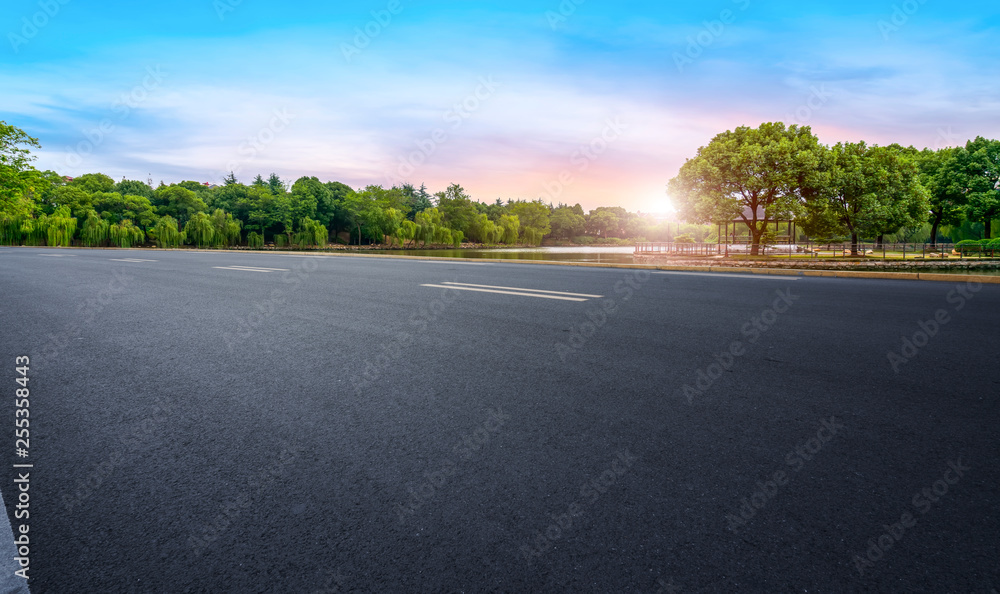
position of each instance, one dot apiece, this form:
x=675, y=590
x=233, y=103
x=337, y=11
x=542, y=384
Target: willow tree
x=125, y=234
x=428, y=224
x=59, y=227
x=200, y=229
x=10, y=229
x=407, y=231
x=227, y=229
x=94, y=231
x=754, y=175
x=167, y=235
x=311, y=233
x=255, y=240
x=510, y=228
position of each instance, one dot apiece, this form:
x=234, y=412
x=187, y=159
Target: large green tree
x=978, y=168
x=946, y=192
x=177, y=202
x=18, y=179
x=754, y=175
x=534, y=220
x=868, y=190
x=94, y=182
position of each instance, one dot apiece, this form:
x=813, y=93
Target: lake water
x=602, y=255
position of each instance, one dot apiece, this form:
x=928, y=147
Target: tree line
x=758, y=176
x=44, y=208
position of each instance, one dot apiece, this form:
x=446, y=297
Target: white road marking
x=518, y=293
x=725, y=275
x=251, y=269
x=58, y=255
x=131, y=260
x=526, y=290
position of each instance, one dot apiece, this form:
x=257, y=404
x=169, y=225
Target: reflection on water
x=604, y=255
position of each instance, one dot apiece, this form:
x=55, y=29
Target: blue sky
x=592, y=102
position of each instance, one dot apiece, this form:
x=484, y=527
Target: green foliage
x=509, y=227
x=59, y=227
x=977, y=169
x=407, y=232
x=200, y=229
x=93, y=182
x=180, y=203
x=19, y=181
x=226, y=229
x=534, y=215
x=128, y=187
x=566, y=222
x=95, y=230
x=125, y=234
x=255, y=240
x=311, y=234
x=456, y=238
x=280, y=240
x=969, y=246
x=684, y=238
x=456, y=208
x=167, y=233
x=771, y=169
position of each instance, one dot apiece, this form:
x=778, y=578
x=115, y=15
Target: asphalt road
x=332, y=425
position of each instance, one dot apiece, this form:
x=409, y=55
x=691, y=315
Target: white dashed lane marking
x=540, y=293
x=250, y=269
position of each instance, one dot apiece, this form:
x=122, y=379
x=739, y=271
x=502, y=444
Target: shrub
x=685, y=238
x=993, y=246
x=968, y=246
